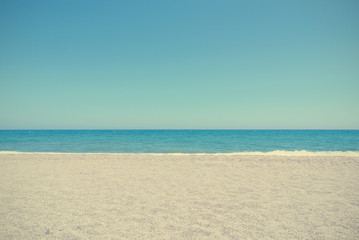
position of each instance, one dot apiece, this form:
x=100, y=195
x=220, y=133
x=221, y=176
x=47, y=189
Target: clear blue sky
x=179, y=64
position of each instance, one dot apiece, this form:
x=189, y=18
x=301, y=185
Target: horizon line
x=173, y=129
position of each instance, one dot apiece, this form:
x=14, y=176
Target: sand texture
x=144, y=196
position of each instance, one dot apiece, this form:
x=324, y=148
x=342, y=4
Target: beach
x=179, y=196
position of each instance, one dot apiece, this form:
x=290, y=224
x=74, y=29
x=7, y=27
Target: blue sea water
x=177, y=141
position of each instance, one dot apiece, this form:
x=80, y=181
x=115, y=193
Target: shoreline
x=255, y=153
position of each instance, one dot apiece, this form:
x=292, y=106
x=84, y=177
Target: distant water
x=177, y=141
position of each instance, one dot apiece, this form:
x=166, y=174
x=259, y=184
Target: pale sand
x=178, y=196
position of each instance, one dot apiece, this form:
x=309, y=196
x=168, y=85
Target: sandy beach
x=179, y=196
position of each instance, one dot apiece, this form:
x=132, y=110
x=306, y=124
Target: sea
x=177, y=141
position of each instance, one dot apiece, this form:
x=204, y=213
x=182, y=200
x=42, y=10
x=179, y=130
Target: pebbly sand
x=179, y=196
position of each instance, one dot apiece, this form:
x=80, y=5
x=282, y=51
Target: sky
x=179, y=64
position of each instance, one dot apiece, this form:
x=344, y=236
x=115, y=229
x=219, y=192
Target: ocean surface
x=177, y=141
